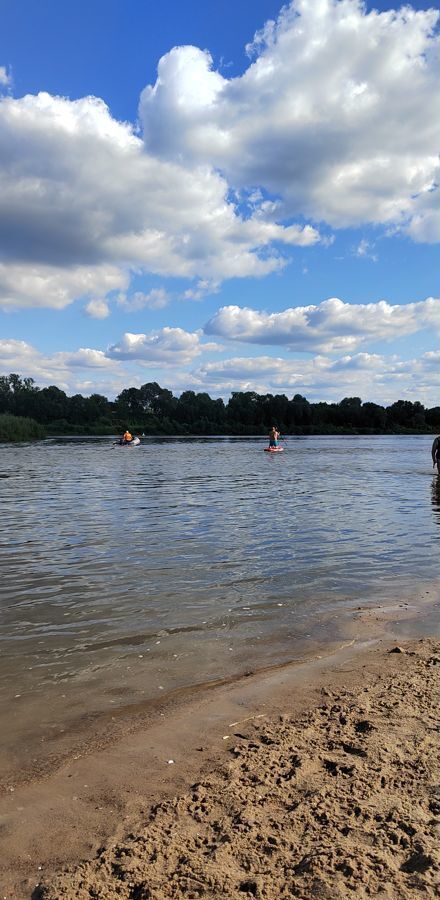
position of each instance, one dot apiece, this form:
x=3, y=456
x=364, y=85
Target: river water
x=129, y=572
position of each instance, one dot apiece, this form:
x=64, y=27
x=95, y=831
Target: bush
x=18, y=428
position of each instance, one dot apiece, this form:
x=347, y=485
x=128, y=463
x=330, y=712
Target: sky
x=221, y=197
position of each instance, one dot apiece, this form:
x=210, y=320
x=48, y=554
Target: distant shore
x=311, y=780
x=154, y=410
x=76, y=434
x=14, y=431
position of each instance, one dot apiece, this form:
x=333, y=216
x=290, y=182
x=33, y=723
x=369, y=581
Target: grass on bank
x=19, y=428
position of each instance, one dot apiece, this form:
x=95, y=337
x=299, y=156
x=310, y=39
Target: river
x=127, y=573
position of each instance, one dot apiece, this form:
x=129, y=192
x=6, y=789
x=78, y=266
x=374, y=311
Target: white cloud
x=157, y=298
x=5, y=77
x=24, y=285
x=430, y=361
x=424, y=226
x=331, y=326
x=62, y=368
x=167, y=346
x=370, y=376
x=12, y=351
x=97, y=309
x=338, y=116
x=203, y=288
x=80, y=197
x=365, y=249
x=84, y=358
x=336, y=120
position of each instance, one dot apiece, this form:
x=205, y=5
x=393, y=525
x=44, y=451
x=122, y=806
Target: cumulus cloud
x=97, y=309
x=87, y=370
x=157, y=298
x=335, y=120
x=424, y=226
x=12, y=351
x=80, y=197
x=17, y=352
x=84, y=358
x=5, y=77
x=203, y=288
x=63, y=368
x=371, y=376
x=331, y=326
x=24, y=285
x=338, y=115
x=167, y=346
x=431, y=361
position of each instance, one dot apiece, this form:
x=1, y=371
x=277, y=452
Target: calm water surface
x=129, y=572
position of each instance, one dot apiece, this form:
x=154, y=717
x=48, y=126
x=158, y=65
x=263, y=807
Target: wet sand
x=310, y=780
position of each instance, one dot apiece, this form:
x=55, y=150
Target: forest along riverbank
x=340, y=800
x=314, y=780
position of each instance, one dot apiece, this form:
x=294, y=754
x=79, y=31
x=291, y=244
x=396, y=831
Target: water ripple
x=211, y=543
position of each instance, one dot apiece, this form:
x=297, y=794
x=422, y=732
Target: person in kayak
x=273, y=437
x=127, y=437
x=435, y=452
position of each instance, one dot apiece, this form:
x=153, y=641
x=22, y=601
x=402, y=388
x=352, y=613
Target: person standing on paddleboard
x=436, y=453
x=273, y=437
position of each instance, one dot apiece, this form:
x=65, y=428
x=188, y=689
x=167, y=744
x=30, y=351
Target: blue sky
x=221, y=197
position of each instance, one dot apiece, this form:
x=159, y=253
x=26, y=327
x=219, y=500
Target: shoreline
x=94, y=731
x=95, y=798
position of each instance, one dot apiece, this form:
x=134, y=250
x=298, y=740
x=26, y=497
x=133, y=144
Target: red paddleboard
x=273, y=449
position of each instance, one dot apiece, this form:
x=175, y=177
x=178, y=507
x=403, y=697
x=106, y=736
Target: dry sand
x=334, y=797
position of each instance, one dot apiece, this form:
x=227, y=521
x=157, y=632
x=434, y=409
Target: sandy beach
x=312, y=780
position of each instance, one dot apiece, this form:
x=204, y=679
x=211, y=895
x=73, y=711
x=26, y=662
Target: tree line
x=151, y=409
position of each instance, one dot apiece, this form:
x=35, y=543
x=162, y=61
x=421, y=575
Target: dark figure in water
x=436, y=453
x=273, y=437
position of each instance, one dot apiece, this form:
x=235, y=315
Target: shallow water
x=127, y=572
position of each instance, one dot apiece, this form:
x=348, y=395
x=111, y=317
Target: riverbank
x=19, y=428
x=311, y=780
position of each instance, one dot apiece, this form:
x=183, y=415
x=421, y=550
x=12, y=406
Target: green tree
x=51, y=405
x=432, y=417
x=242, y=412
